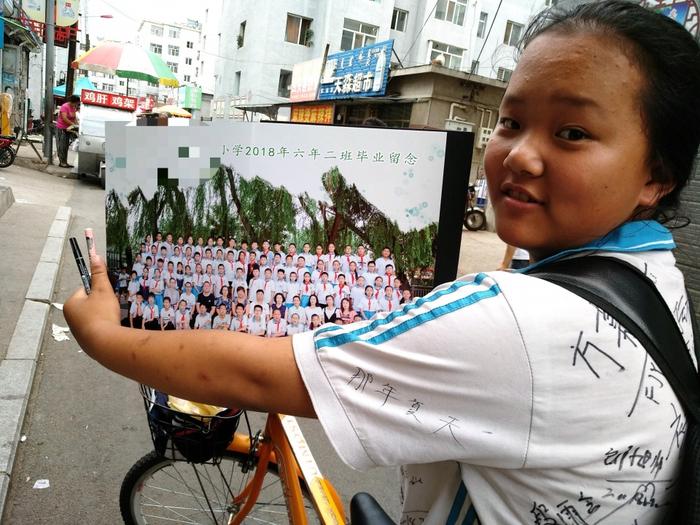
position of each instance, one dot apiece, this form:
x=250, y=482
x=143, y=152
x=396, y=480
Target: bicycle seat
x=364, y=510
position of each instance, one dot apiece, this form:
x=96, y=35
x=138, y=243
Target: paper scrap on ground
x=41, y=484
x=59, y=306
x=59, y=332
x=23, y=438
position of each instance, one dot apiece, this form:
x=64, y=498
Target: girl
x=294, y=326
x=151, y=314
x=315, y=322
x=527, y=410
x=330, y=312
x=306, y=289
x=370, y=304
x=133, y=286
x=296, y=308
x=167, y=315
x=293, y=287
x=313, y=308
x=198, y=279
x=347, y=314
x=180, y=275
x=406, y=296
x=182, y=316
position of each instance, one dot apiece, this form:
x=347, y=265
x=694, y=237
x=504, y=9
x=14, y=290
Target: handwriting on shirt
x=575, y=512
x=635, y=457
x=603, y=318
x=589, y=352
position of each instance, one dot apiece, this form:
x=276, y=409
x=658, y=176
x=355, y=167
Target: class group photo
x=264, y=289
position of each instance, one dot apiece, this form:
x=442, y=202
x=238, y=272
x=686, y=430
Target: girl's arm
x=209, y=366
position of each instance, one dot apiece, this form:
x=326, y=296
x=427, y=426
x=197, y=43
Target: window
x=241, y=34
x=121, y=82
x=237, y=84
x=513, y=33
x=172, y=66
x=156, y=30
x=483, y=20
x=474, y=69
x=504, y=74
x=157, y=48
x=398, y=20
x=174, y=51
x=190, y=45
x=451, y=11
x=108, y=87
x=452, y=54
x=186, y=78
x=357, y=34
x=284, y=83
x=297, y=31
x=188, y=61
x=174, y=33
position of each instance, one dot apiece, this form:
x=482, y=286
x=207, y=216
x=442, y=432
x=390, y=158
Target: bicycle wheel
x=475, y=220
x=157, y=490
x=7, y=157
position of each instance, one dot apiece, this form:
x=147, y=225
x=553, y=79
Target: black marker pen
x=82, y=268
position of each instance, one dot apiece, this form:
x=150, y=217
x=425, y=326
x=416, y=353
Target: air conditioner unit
x=482, y=137
x=458, y=125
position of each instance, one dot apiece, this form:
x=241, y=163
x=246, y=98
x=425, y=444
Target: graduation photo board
x=300, y=183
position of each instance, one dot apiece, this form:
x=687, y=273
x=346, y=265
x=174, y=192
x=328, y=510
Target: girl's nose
x=525, y=158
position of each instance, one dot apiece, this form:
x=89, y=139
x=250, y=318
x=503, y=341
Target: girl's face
x=313, y=301
x=567, y=162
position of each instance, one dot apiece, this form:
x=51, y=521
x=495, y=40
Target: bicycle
x=203, y=471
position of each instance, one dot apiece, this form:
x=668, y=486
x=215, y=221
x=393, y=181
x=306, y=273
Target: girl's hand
x=88, y=315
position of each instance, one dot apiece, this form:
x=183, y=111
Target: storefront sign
x=305, y=78
x=361, y=72
x=108, y=100
x=190, y=97
x=316, y=114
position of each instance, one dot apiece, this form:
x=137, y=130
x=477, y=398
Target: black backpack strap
x=631, y=298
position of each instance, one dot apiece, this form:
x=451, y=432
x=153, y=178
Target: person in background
x=182, y=316
x=347, y=314
x=276, y=327
x=222, y=319
x=257, y=323
x=151, y=317
x=167, y=315
x=239, y=321
x=203, y=320
x=67, y=118
x=514, y=258
x=295, y=326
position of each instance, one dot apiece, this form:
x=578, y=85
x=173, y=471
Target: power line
x=493, y=21
x=421, y=29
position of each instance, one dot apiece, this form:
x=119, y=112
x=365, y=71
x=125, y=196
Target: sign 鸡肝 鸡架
x=361, y=72
x=108, y=100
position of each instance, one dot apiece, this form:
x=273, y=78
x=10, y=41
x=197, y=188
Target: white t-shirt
x=508, y=396
x=314, y=310
x=256, y=327
x=276, y=328
x=203, y=321
x=295, y=329
x=150, y=313
x=299, y=310
x=190, y=298
x=221, y=323
x=182, y=320
x=238, y=324
x=167, y=315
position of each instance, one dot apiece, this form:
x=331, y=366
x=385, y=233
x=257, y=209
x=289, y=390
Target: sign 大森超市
x=361, y=72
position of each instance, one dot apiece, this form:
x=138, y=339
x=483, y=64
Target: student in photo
x=346, y=259
x=171, y=292
x=371, y=274
x=138, y=265
x=151, y=317
x=335, y=273
x=314, y=308
x=179, y=276
x=230, y=267
x=300, y=266
x=239, y=321
x=256, y=283
x=315, y=322
x=295, y=326
x=241, y=297
x=188, y=259
x=291, y=250
x=330, y=312
x=252, y=264
x=309, y=258
x=361, y=259
x=242, y=262
x=264, y=262
x=268, y=286
x=260, y=301
x=296, y=308
x=219, y=281
x=370, y=304
x=306, y=289
x=169, y=271
x=167, y=315
x=323, y=288
x=203, y=320
x=276, y=327
x=156, y=287
x=342, y=290
x=347, y=314
x=352, y=275
x=182, y=316
x=239, y=280
x=188, y=277
x=280, y=285
x=133, y=287
x=378, y=287
x=257, y=325
x=293, y=288
x=288, y=266
x=206, y=299
x=388, y=302
x=330, y=255
x=279, y=248
x=144, y=282
x=406, y=296
x=268, y=254
x=209, y=276
x=389, y=275
x=176, y=257
x=384, y=260
x=222, y=320
x=278, y=304
x=198, y=280
x=136, y=312
x=316, y=274
x=357, y=293
x=122, y=280
x=189, y=297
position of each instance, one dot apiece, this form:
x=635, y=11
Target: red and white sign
x=108, y=100
x=147, y=103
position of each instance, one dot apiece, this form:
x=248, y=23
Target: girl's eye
x=573, y=134
x=508, y=123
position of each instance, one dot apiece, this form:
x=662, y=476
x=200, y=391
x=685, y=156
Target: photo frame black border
x=455, y=179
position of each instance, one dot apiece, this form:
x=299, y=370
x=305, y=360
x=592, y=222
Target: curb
x=51, y=169
x=7, y=198
x=18, y=368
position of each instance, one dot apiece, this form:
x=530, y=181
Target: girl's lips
x=515, y=193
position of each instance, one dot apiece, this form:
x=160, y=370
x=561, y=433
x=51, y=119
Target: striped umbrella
x=127, y=60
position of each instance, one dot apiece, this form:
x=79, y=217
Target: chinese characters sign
x=316, y=114
x=108, y=100
x=361, y=72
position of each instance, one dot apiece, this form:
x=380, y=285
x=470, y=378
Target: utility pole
x=49, y=35
x=70, y=72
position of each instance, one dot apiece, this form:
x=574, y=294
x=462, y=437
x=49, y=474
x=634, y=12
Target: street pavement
x=86, y=426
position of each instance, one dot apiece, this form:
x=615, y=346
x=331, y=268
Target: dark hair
x=669, y=59
x=74, y=98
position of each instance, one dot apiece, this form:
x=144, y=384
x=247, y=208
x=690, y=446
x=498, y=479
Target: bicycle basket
x=185, y=437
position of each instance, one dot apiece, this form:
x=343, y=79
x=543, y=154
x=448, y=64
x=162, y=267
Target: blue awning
x=79, y=84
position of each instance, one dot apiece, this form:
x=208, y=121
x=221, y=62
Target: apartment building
x=255, y=45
